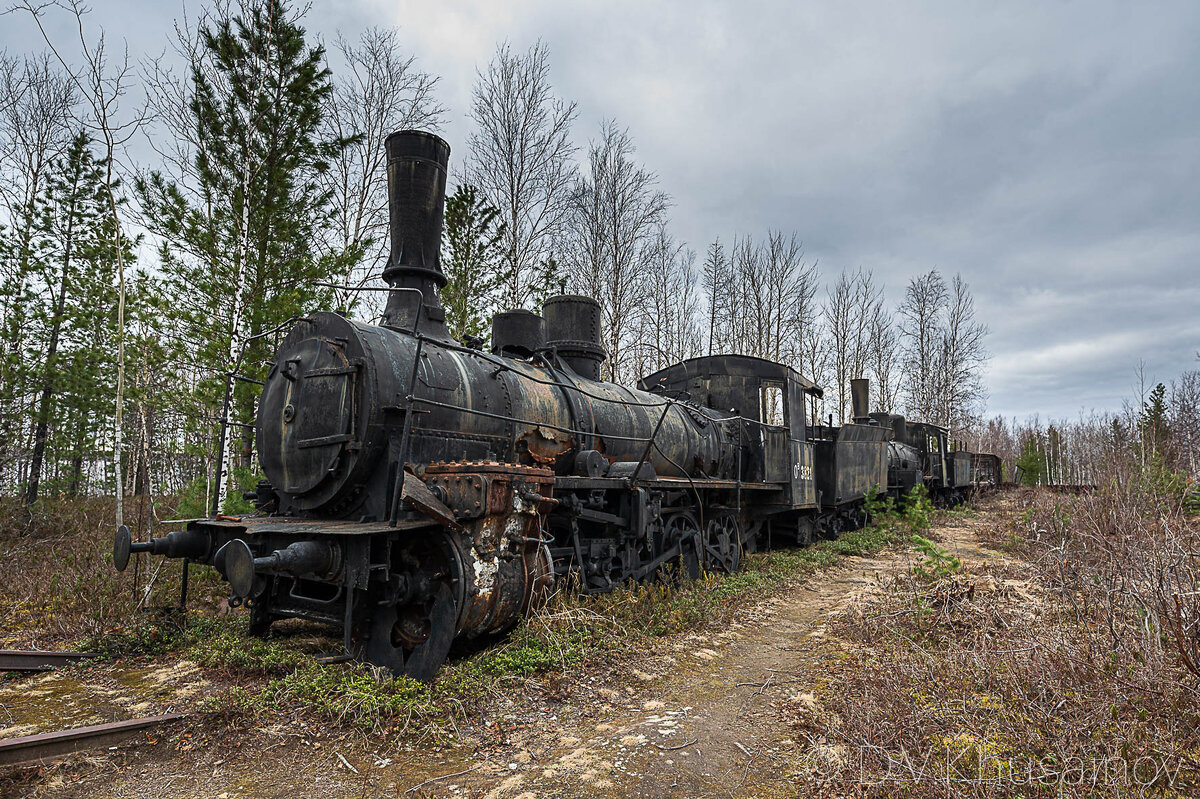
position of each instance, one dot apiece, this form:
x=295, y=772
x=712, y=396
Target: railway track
x=45, y=746
x=35, y=660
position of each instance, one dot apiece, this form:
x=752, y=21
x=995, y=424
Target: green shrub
x=878, y=509
x=356, y=694
x=938, y=563
x=918, y=509
x=227, y=644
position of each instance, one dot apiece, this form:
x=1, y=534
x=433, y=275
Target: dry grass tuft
x=1064, y=673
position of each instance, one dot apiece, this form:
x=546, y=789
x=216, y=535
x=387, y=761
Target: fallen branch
x=443, y=777
x=676, y=748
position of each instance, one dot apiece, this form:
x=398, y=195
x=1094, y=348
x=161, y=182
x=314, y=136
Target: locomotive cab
x=770, y=399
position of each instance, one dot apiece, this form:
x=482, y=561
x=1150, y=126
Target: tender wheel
x=723, y=544
x=414, y=638
x=683, y=528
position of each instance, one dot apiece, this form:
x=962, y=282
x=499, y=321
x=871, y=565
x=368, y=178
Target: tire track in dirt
x=718, y=695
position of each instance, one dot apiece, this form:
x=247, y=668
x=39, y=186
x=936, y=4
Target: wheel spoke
x=723, y=543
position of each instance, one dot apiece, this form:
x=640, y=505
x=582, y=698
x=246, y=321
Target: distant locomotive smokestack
x=416, y=171
x=860, y=393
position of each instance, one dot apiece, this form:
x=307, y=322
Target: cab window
x=770, y=403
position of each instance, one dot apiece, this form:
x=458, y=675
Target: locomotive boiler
x=421, y=491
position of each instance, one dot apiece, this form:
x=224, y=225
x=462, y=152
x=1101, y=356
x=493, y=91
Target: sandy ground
x=699, y=717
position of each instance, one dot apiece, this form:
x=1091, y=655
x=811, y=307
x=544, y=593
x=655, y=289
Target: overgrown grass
x=94, y=611
x=569, y=633
x=59, y=584
x=1057, y=675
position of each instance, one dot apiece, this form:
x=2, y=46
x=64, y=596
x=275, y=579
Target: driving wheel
x=414, y=638
x=723, y=543
x=683, y=529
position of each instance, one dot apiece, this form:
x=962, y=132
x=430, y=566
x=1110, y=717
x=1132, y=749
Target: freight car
x=420, y=490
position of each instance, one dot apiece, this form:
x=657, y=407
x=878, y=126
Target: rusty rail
x=53, y=745
x=34, y=660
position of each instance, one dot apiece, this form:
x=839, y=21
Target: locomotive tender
x=420, y=490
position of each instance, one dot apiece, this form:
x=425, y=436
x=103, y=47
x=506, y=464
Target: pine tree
x=1152, y=421
x=549, y=278
x=69, y=248
x=473, y=260
x=1032, y=463
x=236, y=252
x=716, y=280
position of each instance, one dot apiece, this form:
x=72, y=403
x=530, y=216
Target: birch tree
x=615, y=212
x=944, y=349
x=1185, y=420
x=521, y=158
x=853, y=313
x=669, y=324
x=920, y=314
x=378, y=89
x=236, y=230
x=883, y=359
x=963, y=357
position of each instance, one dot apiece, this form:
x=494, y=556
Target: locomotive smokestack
x=860, y=393
x=416, y=171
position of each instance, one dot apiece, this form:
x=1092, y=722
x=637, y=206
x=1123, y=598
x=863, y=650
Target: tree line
x=1155, y=435
x=143, y=297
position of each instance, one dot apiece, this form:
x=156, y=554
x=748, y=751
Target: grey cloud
x=1047, y=151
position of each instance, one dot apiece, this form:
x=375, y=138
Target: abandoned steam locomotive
x=420, y=490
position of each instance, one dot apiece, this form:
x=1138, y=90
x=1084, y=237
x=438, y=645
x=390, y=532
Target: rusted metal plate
x=33, y=660
x=532, y=474
x=53, y=745
x=417, y=494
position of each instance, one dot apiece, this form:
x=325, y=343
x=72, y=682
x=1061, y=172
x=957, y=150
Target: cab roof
x=738, y=365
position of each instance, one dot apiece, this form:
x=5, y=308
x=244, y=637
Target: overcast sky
x=1048, y=151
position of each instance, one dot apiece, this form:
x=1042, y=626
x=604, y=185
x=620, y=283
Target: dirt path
x=702, y=719
x=699, y=718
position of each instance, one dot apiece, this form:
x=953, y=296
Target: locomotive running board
x=670, y=483
x=283, y=525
